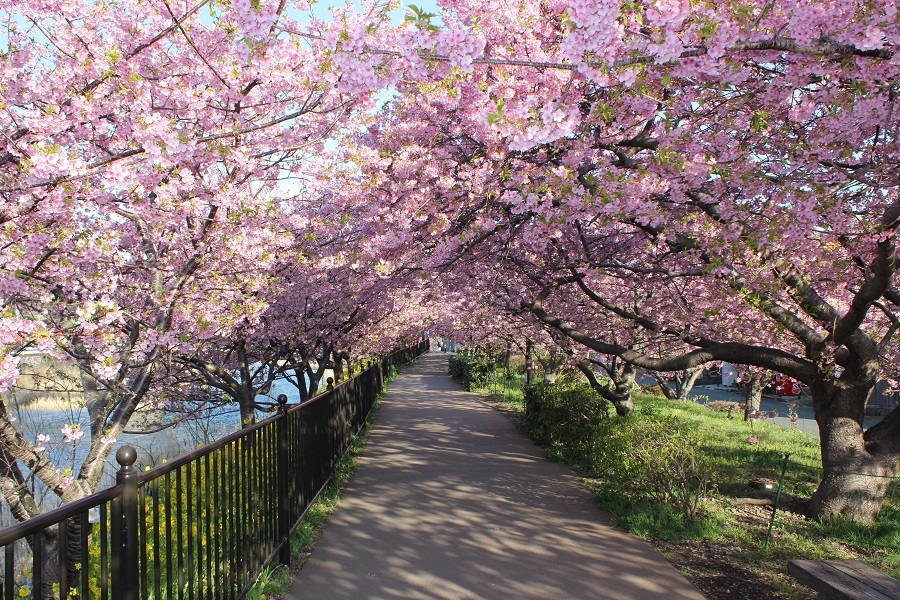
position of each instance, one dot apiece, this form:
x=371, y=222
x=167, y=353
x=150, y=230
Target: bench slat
x=831, y=582
x=874, y=578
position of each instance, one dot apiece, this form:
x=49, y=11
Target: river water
x=152, y=448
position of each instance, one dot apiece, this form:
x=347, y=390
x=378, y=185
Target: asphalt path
x=451, y=501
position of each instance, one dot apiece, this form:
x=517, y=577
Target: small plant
x=675, y=473
x=725, y=406
x=273, y=581
x=649, y=459
x=752, y=418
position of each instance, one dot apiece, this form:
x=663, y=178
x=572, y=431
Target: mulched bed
x=712, y=569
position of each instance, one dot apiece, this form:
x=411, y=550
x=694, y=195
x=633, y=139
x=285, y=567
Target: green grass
x=732, y=461
x=273, y=581
x=509, y=388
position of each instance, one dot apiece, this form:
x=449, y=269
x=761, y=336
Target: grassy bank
x=722, y=546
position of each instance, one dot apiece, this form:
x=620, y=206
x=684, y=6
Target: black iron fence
x=204, y=525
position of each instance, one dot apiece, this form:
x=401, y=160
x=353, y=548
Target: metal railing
x=204, y=525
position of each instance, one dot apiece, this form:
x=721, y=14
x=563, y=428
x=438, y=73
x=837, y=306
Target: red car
x=785, y=386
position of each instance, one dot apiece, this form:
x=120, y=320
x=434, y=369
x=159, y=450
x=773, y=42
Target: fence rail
x=204, y=525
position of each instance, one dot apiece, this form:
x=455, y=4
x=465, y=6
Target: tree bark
x=684, y=383
x=22, y=505
x=622, y=379
x=529, y=368
x=248, y=410
x=337, y=366
x=753, y=399
x=857, y=466
x=552, y=366
x=624, y=384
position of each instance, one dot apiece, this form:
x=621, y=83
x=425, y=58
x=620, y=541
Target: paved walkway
x=452, y=501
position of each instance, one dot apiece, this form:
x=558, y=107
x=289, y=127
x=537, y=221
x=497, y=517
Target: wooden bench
x=844, y=579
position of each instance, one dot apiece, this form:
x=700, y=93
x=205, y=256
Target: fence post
x=125, y=528
x=784, y=464
x=284, y=500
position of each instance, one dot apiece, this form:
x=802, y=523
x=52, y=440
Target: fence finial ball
x=282, y=398
x=126, y=456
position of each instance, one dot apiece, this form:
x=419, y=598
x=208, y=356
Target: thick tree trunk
x=73, y=551
x=338, y=367
x=308, y=378
x=529, y=368
x=857, y=466
x=684, y=383
x=623, y=383
x=315, y=376
x=754, y=397
x=552, y=367
x=248, y=410
x=663, y=383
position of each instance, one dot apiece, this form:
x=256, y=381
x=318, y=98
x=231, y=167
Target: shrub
x=649, y=459
x=471, y=371
x=654, y=389
x=564, y=414
x=735, y=408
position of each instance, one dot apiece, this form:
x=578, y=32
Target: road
x=806, y=421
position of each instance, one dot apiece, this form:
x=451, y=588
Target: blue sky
x=322, y=8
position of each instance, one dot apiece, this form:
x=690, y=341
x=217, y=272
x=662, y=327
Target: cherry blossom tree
x=737, y=159
x=148, y=155
x=734, y=165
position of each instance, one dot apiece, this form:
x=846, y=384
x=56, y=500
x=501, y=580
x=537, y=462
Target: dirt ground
x=714, y=571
